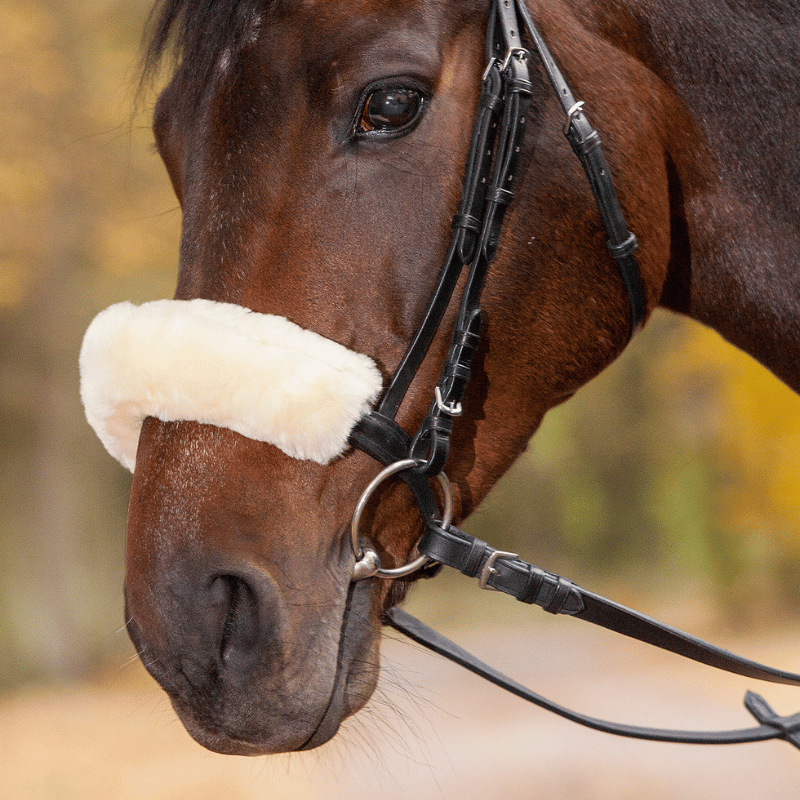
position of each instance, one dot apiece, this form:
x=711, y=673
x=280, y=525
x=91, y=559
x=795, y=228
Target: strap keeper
x=623, y=249
x=492, y=102
x=501, y=196
x=563, y=589
x=476, y=552
x=530, y=593
x=466, y=221
x=520, y=86
x=457, y=370
x=583, y=147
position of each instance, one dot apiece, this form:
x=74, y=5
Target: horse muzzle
x=247, y=672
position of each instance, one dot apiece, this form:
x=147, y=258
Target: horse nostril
x=240, y=628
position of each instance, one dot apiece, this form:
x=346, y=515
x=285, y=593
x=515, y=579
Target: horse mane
x=196, y=32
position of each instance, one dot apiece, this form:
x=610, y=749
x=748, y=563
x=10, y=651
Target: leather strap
x=506, y=572
x=486, y=192
x=385, y=441
x=585, y=142
x=773, y=726
x=467, y=225
x=432, y=441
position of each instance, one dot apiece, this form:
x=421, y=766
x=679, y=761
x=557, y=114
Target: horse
x=317, y=148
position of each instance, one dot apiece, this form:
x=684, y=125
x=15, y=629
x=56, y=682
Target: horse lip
x=225, y=744
x=331, y=719
x=354, y=645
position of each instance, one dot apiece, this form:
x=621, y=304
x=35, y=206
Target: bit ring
x=367, y=563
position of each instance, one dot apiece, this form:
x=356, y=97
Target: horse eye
x=390, y=110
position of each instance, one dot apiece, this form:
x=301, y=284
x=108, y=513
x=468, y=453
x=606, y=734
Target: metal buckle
x=572, y=113
x=489, y=570
x=520, y=52
x=492, y=62
x=453, y=409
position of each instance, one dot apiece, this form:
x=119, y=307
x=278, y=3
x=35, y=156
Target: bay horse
x=317, y=150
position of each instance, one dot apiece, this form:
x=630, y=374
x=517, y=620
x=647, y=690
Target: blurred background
x=671, y=483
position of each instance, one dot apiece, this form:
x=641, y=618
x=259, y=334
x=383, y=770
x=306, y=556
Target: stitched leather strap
x=432, y=441
x=585, y=142
x=773, y=726
x=467, y=224
x=486, y=193
x=506, y=572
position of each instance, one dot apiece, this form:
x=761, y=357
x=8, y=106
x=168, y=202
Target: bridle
x=489, y=174
x=487, y=191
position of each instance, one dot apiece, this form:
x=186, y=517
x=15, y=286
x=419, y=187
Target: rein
x=491, y=165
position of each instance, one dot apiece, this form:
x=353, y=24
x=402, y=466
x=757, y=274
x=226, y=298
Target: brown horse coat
x=238, y=560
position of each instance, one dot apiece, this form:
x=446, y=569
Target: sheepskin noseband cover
x=222, y=364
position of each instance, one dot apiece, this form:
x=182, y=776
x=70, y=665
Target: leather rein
x=491, y=165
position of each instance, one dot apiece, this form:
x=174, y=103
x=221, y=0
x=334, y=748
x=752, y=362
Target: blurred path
x=432, y=731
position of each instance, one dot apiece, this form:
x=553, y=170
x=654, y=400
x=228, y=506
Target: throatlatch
x=487, y=191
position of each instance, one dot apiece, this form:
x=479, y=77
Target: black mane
x=196, y=32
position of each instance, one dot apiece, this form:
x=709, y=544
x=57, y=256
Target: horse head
x=317, y=150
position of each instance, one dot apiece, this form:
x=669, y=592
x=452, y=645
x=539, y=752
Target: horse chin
x=250, y=718
x=343, y=703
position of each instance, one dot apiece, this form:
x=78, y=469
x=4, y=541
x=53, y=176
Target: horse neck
x=735, y=174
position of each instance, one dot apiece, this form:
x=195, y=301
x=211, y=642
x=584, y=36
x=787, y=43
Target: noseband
x=491, y=166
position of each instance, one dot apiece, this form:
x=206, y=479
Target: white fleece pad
x=222, y=364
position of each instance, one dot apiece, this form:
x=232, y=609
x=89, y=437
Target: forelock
x=194, y=33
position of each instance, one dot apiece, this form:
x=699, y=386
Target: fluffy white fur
x=225, y=365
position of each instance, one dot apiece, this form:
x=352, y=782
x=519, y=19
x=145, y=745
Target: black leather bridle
x=487, y=191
